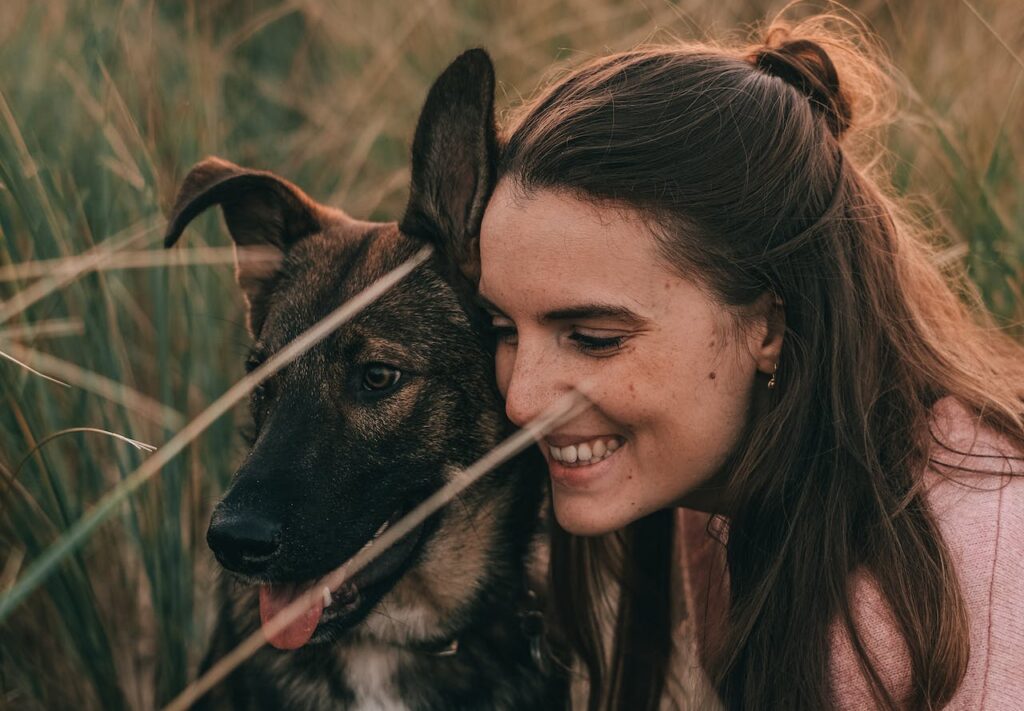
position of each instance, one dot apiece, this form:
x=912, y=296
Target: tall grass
x=104, y=106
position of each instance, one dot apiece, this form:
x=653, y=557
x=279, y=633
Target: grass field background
x=103, y=108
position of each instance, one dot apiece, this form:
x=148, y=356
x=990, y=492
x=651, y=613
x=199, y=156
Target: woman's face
x=581, y=299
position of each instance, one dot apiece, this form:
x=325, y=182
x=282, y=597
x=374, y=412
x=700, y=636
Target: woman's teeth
x=585, y=453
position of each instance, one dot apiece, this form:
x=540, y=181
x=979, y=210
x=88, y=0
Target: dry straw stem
x=143, y=230
x=67, y=374
x=999, y=38
x=564, y=409
x=29, y=368
x=78, y=532
x=138, y=259
x=11, y=567
x=44, y=329
x=9, y=478
x=71, y=430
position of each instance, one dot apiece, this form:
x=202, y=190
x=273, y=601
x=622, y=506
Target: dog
x=361, y=428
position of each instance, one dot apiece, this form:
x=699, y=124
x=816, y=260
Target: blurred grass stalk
x=105, y=105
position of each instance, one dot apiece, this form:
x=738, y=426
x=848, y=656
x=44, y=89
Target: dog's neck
x=371, y=676
x=373, y=669
x=524, y=611
x=530, y=618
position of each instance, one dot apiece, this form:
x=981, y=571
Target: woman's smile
x=582, y=451
x=582, y=462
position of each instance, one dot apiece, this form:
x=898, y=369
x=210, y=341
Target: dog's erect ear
x=453, y=162
x=261, y=210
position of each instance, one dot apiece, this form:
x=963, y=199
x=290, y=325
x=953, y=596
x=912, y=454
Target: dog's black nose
x=243, y=542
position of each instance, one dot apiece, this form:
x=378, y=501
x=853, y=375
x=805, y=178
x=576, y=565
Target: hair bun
x=805, y=65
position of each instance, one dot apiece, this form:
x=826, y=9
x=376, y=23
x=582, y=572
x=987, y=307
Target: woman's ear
x=767, y=347
x=454, y=155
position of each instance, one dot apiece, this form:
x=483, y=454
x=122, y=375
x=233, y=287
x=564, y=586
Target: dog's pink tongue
x=274, y=599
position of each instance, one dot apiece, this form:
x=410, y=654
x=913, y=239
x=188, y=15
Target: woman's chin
x=582, y=516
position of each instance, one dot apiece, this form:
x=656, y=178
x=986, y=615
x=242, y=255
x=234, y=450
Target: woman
x=690, y=236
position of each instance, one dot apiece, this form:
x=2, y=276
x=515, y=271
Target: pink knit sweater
x=981, y=518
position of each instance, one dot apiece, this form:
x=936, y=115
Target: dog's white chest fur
x=370, y=674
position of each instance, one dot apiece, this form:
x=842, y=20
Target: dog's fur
x=333, y=459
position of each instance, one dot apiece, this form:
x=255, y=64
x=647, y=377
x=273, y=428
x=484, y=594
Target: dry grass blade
x=78, y=532
x=108, y=389
x=71, y=430
x=11, y=568
x=998, y=37
x=567, y=407
x=140, y=231
x=138, y=259
x=29, y=368
x=44, y=329
x=258, y=23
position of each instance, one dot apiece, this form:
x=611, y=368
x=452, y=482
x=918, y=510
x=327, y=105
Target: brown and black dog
x=365, y=425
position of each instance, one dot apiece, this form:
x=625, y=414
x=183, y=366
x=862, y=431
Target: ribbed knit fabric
x=980, y=514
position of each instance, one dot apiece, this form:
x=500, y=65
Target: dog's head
x=381, y=413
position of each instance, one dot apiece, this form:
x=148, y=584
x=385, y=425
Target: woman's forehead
x=548, y=224
x=549, y=251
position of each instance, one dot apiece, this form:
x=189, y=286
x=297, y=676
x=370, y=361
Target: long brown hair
x=749, y=162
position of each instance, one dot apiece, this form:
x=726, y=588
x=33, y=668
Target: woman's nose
x=533, y=385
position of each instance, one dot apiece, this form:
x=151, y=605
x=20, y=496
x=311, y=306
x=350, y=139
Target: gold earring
x=771, y=383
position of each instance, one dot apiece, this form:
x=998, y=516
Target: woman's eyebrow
x=577, y=311
x=595, y=311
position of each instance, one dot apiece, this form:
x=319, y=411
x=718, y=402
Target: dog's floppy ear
x=453, y=162
x=261, y=210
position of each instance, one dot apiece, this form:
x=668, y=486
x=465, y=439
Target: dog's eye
x=378, y=376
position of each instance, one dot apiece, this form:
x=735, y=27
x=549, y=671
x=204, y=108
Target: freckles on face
x=581, y=299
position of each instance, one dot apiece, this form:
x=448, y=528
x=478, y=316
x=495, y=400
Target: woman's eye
x=596, y=344
x=378, y=376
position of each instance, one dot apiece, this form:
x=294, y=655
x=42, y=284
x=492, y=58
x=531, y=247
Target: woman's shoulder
x=961, y=440
x=974, y=486
x=975, y=483
x=975, y=492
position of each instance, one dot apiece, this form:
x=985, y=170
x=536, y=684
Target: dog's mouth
x=326, y=606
